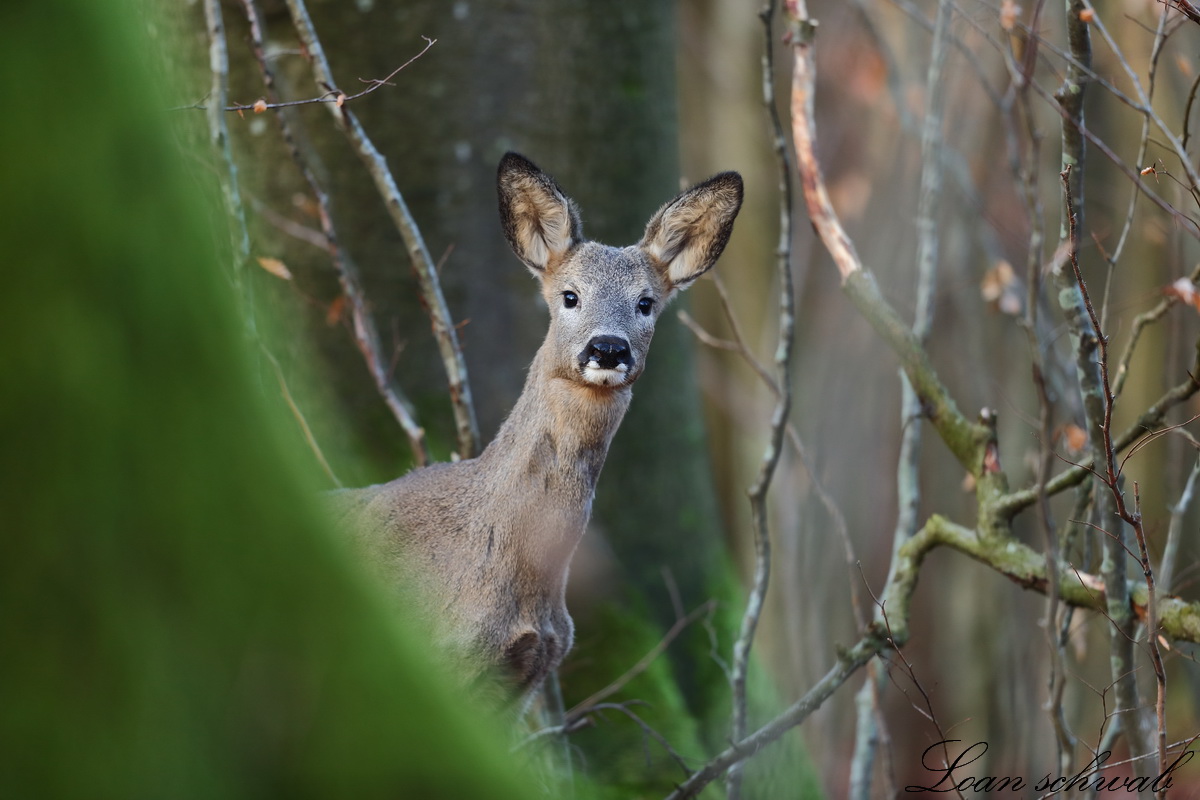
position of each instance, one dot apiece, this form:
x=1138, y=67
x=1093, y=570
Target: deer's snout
x=606, y=352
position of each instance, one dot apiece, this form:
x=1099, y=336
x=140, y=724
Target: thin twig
x=647, y=730
x=309, y=438
x=1135, y=332
x=1090, y=76
x=928, y=711
x=337, y=98
x=1144, y=103
x=584, y=706
x=1187, y=112
x=552, y=699
x=289, y=226
x=771, y=454
x=833, y=511
x=1143, y=141
x=1166, y=567
x=736, y=345
x=1026, y=174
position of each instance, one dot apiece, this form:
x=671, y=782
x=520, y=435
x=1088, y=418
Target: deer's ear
x=540, y=222
x=686, y=236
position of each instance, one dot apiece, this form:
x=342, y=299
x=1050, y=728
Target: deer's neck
x=548, y=454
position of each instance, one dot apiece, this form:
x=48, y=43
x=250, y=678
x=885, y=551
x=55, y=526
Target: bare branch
x=848, y=663
x=1026, y=567
x=779, y=419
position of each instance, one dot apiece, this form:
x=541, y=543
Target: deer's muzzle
x=606, y=353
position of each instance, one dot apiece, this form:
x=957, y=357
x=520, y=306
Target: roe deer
x=488, y=540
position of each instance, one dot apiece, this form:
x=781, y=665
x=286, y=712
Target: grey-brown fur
x=487, y=541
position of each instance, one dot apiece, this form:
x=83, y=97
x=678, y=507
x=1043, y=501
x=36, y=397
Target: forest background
x=941, y=132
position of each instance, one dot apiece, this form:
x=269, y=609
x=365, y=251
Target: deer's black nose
x=607, y=352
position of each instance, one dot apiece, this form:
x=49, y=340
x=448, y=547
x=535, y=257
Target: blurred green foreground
x=175, y=621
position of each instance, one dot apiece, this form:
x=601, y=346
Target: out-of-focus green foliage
x=624, y=758
x=175, y=620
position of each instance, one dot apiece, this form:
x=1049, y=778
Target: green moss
x=178, y=622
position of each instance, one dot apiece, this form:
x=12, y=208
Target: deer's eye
x=645, y=305
x=570, y=299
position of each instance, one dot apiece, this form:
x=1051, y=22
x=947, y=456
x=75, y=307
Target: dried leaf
x=1185, y=291
x=1010, y=303
x=1184, y=65
x=866, y=76
x=1000, y=289
x=306, y=204
x=275, y=267
x=260, y=106
x=996, y=280
x=850, y=194
x=1074, y=438
x=341, y=100
x=1009, y=11
x=1154, y=232
x=333, y=314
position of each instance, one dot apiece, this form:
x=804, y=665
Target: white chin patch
x=593, y=373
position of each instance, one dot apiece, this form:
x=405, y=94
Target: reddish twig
x=1112, y=480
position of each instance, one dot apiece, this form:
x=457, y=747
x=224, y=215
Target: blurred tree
x=176, y=621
